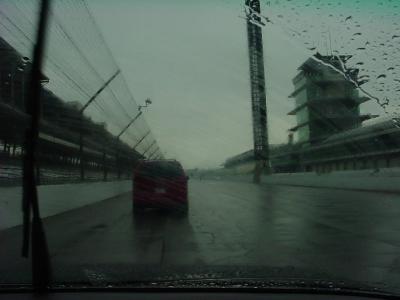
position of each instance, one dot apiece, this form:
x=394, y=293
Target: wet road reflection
x=307, y=232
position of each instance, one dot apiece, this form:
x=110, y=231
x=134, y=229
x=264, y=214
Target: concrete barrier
x=55, y=199
x=380, y=180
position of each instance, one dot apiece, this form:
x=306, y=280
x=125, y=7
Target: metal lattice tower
x=257, y=82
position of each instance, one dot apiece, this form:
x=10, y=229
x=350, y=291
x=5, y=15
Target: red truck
x=160, y=184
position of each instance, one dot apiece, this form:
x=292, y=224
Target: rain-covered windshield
x=283, y=114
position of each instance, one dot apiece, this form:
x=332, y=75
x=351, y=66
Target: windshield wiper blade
x=40, y=253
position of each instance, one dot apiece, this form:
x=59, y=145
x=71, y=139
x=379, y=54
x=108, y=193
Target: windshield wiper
x=40, y=253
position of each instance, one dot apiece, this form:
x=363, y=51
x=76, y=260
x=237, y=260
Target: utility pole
x=257, y=84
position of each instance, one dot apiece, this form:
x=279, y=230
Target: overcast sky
x=190, y=58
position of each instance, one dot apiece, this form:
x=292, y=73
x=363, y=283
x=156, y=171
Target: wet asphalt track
x=306, y=232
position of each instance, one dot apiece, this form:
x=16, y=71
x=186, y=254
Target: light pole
x=17, y=100
x=25, y=61
x=147, y=103
x=18, y=68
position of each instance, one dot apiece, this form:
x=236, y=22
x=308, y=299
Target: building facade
x=330, y=133
x=326, y=102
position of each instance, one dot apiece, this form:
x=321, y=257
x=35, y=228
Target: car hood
x=287, y=279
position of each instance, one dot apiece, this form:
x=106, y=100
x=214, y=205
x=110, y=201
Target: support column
x=81, y=157
x=104, y=166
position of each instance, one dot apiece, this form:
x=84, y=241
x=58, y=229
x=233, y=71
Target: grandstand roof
x=369, y=128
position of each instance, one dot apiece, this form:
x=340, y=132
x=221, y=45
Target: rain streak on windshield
x=245, y=142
